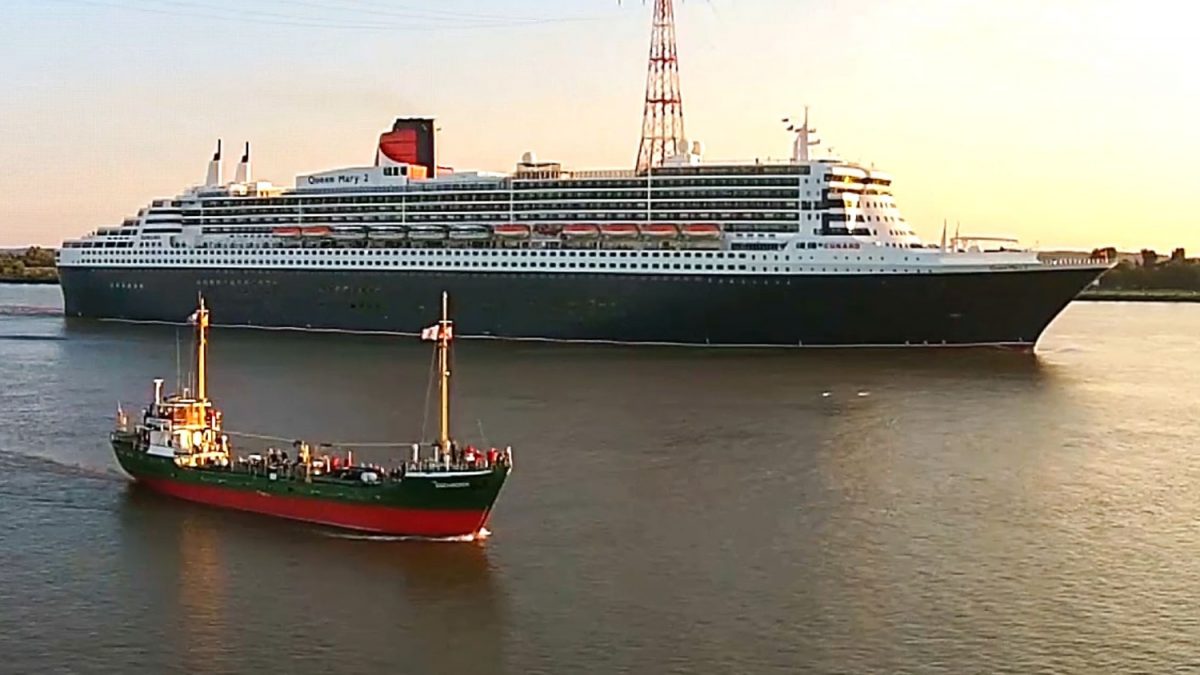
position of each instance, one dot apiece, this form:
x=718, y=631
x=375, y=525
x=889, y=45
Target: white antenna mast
x=804, y=138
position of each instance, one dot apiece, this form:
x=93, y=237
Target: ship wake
x=481, y=535
x=29, y=310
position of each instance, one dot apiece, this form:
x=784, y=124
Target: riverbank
x=52, y=281
x=1123, y=295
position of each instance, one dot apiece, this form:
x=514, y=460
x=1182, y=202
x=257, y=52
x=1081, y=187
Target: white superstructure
x=805, y=216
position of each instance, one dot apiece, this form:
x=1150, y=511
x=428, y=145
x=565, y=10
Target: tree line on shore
x=32, y=264
x=1150, y=273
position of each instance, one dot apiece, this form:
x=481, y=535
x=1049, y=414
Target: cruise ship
x=810, y=251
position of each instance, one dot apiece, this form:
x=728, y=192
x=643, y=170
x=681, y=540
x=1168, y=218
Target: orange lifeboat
x=660, y=231
x=316, y=231
x=286, y=232
x=619, y=230
x=511, y=231
x=580, y=230
x=702, y=231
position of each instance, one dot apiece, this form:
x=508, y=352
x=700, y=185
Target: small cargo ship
x=179, y=448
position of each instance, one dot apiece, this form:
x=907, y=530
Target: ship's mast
x=444, y=336
x=804, y=138
x=202, y=352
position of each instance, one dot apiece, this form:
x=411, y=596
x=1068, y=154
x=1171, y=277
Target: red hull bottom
x=364, y=518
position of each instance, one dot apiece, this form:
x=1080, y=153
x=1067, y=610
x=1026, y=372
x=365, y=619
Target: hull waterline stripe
x=363, y=518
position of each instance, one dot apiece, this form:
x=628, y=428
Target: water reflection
x=202, y=590
x=317, y=594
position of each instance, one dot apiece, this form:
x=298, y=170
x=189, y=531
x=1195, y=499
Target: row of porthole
x=205, y=254
x=291, y=253
x=211, y=256
x=473, y=253
x=391, y=261
x=644, y=266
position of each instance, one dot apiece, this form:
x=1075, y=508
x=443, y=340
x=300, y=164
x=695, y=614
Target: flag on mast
x=432, y=333
x=194, y=317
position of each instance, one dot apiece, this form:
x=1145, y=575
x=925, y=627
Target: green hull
x=434, y=504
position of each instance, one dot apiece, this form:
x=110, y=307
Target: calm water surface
x=670, y=511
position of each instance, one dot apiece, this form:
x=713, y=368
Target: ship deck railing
x=1074, y=262
x=296, y=471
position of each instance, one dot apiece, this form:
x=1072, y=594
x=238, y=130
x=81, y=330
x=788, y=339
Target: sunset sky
x=1066, y=123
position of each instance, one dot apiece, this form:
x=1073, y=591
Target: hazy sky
x=1063, y=122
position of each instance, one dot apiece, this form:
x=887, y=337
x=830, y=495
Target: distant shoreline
x=32, y=266
x=26, y=281
x=1163, y=295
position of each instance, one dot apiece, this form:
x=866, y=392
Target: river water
x=671, y=510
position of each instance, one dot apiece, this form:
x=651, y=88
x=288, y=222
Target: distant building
x=1149, y=258
x=1178, y=256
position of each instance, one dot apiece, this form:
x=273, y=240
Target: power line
x=392, y=9
x=182, y=8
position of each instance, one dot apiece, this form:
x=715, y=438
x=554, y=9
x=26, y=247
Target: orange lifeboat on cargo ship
x=619, y=230
x=702, y=231
x=660, y=231
x=511, y=231
x=580, y=230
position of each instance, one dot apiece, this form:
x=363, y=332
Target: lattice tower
x=662, y=119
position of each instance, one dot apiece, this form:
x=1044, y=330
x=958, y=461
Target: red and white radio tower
x=662, y=120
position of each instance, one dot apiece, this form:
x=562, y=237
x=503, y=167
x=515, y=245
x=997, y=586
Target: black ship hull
x=1001, y=308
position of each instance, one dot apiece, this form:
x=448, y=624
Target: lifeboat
x=548, y=230
x=348, y=233
x=385, y=233
x=702, y=231
x=580, y=230
x=426, y=233
x=511, y=231
x=286, y=232
x=316, y=231
x=660, y=231
x=620, y=230
x=469, y=232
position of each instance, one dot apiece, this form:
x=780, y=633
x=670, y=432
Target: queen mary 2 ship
x=806, y=252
